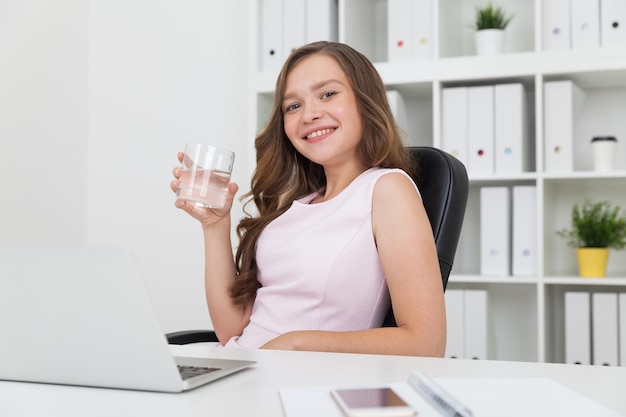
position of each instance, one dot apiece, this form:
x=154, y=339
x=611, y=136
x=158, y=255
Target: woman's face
x=320, y=112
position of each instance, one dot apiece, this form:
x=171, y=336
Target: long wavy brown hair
x=282, y=174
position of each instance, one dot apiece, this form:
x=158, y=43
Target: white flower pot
x=489, y=41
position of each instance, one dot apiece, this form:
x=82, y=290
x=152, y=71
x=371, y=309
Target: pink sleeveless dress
x=319, y=267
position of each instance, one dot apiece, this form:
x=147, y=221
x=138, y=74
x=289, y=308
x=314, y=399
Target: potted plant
x=595, y=228
x=490, y=22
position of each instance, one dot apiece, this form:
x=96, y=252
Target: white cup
x=604, y=149
x=206, y=175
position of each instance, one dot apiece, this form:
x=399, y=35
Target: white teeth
x=318, y=133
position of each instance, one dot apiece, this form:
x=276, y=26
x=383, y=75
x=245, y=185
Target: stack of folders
x=468, y=329
x=583, y=24
x=486, y=128
x=508, y=230
x=288, y=24
x=595, y=328
x=410, y=30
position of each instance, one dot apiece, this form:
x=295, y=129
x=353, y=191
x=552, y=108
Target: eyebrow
x=314, y=87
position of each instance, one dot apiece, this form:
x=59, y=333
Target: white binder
x=454, y=122
x=577, y=328
x=512, y=146
x=455, y=323
x=409, y=30
x=423, y=29
x=476, y=324
x=294, y=25
x=585, y=23
x=398, y=108
x=604, y=329
x=562, y=102
x=480, y=129
x=524, y=247
x=399, y=22
x=556, y=24
x=321, y=20
x=272, y=54
x=613, y=22
x=495, y=231
x=622, y=328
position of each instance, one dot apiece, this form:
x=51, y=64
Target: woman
x=341, y=230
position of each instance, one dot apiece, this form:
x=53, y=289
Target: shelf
x=480, y=279
x=527, y=312
x=461, y=279
x=594, y=68
x=585, y=175
x=576, y=280
x=493, y=179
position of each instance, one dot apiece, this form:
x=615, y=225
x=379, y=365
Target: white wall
x=107, y=91
x=43, y=121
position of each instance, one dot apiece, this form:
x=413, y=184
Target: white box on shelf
x=454, y=122
x=613, y=22
x=556, y=24
x=294, y=25
x=272, y=54
x=455, y=323
x=577, y=328
x=398, y=108
x=585, y=23
x=562, y=102
x=495, y=231
x=399, y=23
x=321, y=20
x=622, y=329
x=480, y=129
x=476, y=324
x=409, y=30
x=512, y=147
x=604, y=328
x=423, y=18
x=524, y=247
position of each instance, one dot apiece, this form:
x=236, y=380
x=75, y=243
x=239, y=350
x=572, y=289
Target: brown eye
x=291, y=107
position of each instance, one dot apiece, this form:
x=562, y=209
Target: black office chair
x=442, y=180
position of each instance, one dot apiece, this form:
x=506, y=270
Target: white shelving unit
x=526, y=313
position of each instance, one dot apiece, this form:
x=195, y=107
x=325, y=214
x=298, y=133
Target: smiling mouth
x=318, y=133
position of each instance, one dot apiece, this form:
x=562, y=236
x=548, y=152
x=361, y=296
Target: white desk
x=254, y=392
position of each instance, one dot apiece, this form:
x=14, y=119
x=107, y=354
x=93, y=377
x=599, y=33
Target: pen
x=443, y=401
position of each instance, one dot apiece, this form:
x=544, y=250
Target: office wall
x=43, y=121
x=105, y=93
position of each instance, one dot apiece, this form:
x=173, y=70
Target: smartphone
x=371, y=402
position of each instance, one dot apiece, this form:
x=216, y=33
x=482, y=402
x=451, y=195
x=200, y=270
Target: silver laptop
x=82, y=316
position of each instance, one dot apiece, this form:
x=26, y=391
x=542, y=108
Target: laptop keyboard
x=187, y=372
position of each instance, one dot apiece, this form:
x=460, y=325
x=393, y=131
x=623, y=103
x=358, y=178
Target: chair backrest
x=443, y=184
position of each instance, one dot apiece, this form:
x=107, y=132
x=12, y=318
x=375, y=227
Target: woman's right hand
x=206, y=216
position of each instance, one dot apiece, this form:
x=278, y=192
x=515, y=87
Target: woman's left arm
x=408, y=255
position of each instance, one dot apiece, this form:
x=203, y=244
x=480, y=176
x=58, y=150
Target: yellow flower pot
x=592, y=262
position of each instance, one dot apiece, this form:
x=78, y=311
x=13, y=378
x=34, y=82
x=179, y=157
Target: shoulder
x=397, y=209
x=392, y=183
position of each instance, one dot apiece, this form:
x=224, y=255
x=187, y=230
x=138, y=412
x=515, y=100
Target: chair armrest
x=191, y=336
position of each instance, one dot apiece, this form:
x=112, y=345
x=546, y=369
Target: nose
x=312, y=112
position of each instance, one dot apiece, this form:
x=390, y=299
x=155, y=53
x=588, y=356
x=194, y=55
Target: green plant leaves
x=491, y=17
x=596, y=225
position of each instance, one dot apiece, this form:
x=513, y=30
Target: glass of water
x=205, y=176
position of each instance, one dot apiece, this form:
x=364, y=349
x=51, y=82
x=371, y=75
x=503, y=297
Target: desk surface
x=254, y=392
